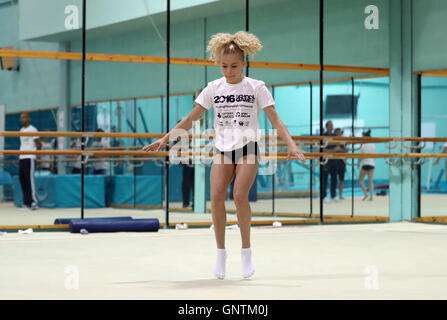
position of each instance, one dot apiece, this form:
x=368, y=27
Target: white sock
x=248, y=266
x=219, y=267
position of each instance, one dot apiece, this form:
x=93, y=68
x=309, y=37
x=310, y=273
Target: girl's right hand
x=157, y=145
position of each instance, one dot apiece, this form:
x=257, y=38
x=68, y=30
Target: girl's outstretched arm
x=185, y=125
x=284, y=134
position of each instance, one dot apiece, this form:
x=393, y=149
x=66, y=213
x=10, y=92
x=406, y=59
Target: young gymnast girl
x=237, y=102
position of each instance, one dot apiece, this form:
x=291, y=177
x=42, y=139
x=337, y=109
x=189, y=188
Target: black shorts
x=336, y=167
x=341, y=169
x=235, y=155
x=367, y=167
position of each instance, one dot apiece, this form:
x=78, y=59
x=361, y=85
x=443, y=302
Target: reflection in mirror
x=125, y=92
x=34, y=78
x=433, y=170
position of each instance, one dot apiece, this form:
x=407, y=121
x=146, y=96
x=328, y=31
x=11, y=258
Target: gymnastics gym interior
x=133, y=69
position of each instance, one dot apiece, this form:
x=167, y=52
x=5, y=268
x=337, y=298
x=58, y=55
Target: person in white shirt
x=100, y=167
x=76, y=161
x=27, y=162
x=444, y=150
x=237, y=102
x=46, y=165
x=367, y=166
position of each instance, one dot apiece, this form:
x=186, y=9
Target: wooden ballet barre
x=128, y=153
x=425, y=155
x=260, y=144
x=108, y=160
x=91, y=160
x=424, y=139
x=80, y=134
x=278, y=144
x=432, y=73
x=336, y=156
x=210, y=153
x=124, y=148
x=209, y=156
x=384, y=71
x=181, y=61
x=95, y=134
x=324, y=139
x=191, y=136
x=118, y=159
x=98, y=153
x=340, y=138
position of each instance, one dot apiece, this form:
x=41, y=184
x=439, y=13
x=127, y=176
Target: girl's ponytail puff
x=242, y=42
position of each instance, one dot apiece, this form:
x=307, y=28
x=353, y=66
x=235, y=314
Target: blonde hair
x=242, y=43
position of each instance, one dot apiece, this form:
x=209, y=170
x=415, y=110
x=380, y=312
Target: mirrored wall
x=433, y=177
x=128, y=86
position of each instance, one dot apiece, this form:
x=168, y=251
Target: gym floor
x=431, y=205
x=365, y=261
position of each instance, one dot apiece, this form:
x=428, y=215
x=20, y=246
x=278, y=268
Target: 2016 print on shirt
x=230, y=114
x=236, y=110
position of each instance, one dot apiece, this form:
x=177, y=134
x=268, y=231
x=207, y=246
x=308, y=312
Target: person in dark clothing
x=187, y=183
x=340, y=165
x=330, y=168
x=187, y=177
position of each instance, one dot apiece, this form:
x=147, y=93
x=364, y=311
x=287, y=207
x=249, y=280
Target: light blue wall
x=347, y=41
x=430, y=42
x=434, y=105
x=36, y=85
x=288, y=30
x=299, y=43
x=100, y=13
x=295, y=21
x=292, y=104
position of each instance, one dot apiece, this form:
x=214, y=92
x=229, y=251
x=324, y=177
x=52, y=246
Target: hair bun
x=247, y=42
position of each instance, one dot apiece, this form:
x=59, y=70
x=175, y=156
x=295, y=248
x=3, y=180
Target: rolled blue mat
x=134, y=225
x=68, y=220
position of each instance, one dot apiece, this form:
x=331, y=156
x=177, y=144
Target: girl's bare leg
x=340, y=189
x=362, y=183
x=245, y=175
x=371, y=183
x=220, y=178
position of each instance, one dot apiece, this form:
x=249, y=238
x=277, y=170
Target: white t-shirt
x=77, y=146
x=100, y=145
x=27, y=143
x=236, y=110
x=47, y=159
x=367, y=148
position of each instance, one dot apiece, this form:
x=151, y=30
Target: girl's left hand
x=295, y=152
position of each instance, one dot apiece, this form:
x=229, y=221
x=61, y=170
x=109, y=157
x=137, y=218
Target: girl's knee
x=218, y=197
x=240, y=197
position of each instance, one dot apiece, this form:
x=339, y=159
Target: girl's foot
x=364, y=198
x=248, y=267
x=219, y=267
